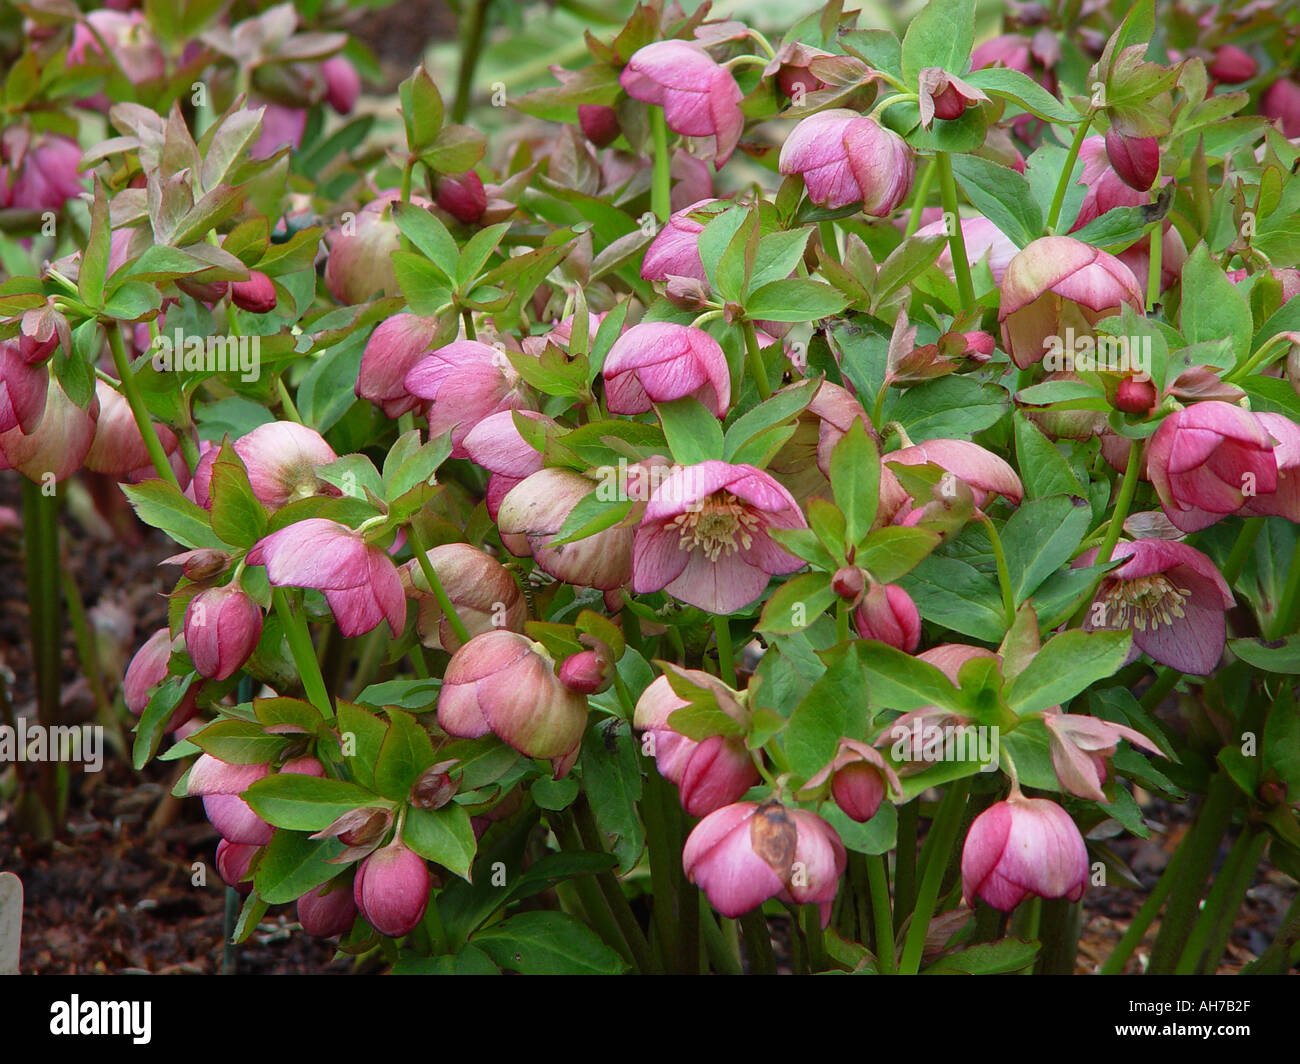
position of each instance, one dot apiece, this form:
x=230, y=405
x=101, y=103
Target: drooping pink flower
x=1285, y=501
x=392, y=889
x=1082, y=747
x=704, y=536
x=361, y=247
x=1170, y=596
x=844, y=158
x=699, y=97
x=860, y=778
x=233, y=860
x=945, y=96
x=985, y=473
x=464, y=382
x=40, y=173
x=222, y=627
x=147, y=670
x=23, y=388
x=675, y=250
x=328, y=910
x=1205, y=458
x=57, y=445
x=281, y=458
x=358, y=580
x=657, y=362
x=1021, y=847
x=887, y=613
x=1135, y=159
x=709, y=773
x=392, y=351
x=342, y=83
x=220, y=784
x=1105, y=184
x=480, y=588
x=496, y=445
x=1281, y=103
x=1056, y=283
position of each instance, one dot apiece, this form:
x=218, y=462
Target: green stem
x=1214, y=924
x=1123, y=502
x=920, y=193
x=909, y=816
x=1203, y=842
x=435, y=585
x=304, y=654
x=467, y=317
x=661, y=187
x=1138, y=926
x=1004, y=573
x=662, y=860
x=88, y=652
x=812, y=933
x=726, y=655
x=1155, y=266
x=470, y=48
x=1165, y=680
x=1288, y=606
x=1063, y=183
x=41, y=558
x=956, y=238
x=754, y=359
x=938, y=849
x=1059, y=934
x=131, y=390
x=881, y=915
x=722, y=951
x=593, y=899
x=842, y=631
x=758, y=942
x=591, y=836
x=286, y=400
x=1241, y=548
x=829, y=243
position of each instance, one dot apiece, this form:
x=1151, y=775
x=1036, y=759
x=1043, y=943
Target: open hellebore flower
x=392, y=889
x=743, y=854
x=657, y=362
x=1021, y=847
x=887, y=613
x=699, y=97
x=1081, y=748
x=537, y=508
x=57, y=445
x=504, y=683
x=40, y=173
x=982, y=471
x=859, y=778
x=118, y=447
x=1055, y=283
x=703, y=537
x=360, y=253
x=675, y=250
x=803, y=462
x=358, y=580
x=1171, y=596
x=281, y=458
x=222, y=627
x=328, y=910
x=392, y=351
x=844, y=157
x=709, y=773
x=481, y=589
x=1208, y=460
x=464, y=382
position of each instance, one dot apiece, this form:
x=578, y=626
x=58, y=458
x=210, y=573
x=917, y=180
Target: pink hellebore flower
x=281, y=458
x=1135, y=159
x=358, y=580
x=233, y=861
x=1281, y=103
x=481, y=589
x=859, y=777
x=23, y=388
x=44, y=173
x=147, y=670
x=1021, y=847
x=504, y=683
x=699, y=97
x=1209, y=460
x=496, y=445
x=741, y=855
x=1171, y=596
x=392, y=351
x=392, y=889
x=1055, y=283
x=1285, y=501
x=221, y=785
x=1081, y=747
x=845, y=157
x=675, y=250
x=703, y=537
x=981, y=470
x=887, y=613
x=657, y=362
x=983, y=239
x=342, y=83
x=1107, y=187
x=328, y=910
x=709, y=773
x=465, y=381
x=222, y=627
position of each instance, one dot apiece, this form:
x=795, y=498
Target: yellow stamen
x=716, y=524
x=1145, y=602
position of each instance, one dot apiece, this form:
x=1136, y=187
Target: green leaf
x=894, y=551
x=454, y=150
x=1043, y=468
x=238, y=517
x=796, y=604
x=1282, y=656
x=780, y=408
x=554, y=795
x=444, y=836
x=407, y=751
x=987, y=958
x=999, y=193
x=362, y=734
x=429, y=235
x=834, y=707
x=941, y=35
x=694, y=435
x=292, y=864
x=778, y=256
x=94, y=261
x=855, y=480
x=952, y=407
x=153, y=721
x=467, y=961
x=1116, y=229
x=1041, y=537
x=611, y=778
x=899, y=681
x=239, y=742
x=162, y=505
x=422, y=110
x=548, y=943
x=715, y=237
x=304, y=803
x=1214, y=307
x=796, y=299
x=1067, y=664
x=738, y=259
x=953, y=593
x=1023, y=91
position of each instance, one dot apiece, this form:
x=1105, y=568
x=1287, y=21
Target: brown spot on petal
x=773, y=836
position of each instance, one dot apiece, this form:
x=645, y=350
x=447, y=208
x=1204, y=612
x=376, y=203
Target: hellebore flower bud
x=1135, y=159
x=233, y=861
x=599, y=124
x=1281, y=103
x=1232, y=66
x=709, y=773
x=360, y=253
x=504, y=683
x=675, y=250
x=657, y=362
x=1136, y=397
x=434, y=788
x=849, y=582
x=462, y=196
x=887, y=613
x=200, y=564
x=392, y=889
x=118, y=447
x=222, y=627
x=481, y=589
x=1057, y=282
x=699, y=97
x=392, y=351
x=588, y=673
x=859, y=777
x=944, y=96
x=328, y=910
x=845, y=157
x=342, y=83
x=256, y=295
x=1021, y=847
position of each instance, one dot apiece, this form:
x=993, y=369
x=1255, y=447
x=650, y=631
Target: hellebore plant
x=842, y=559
